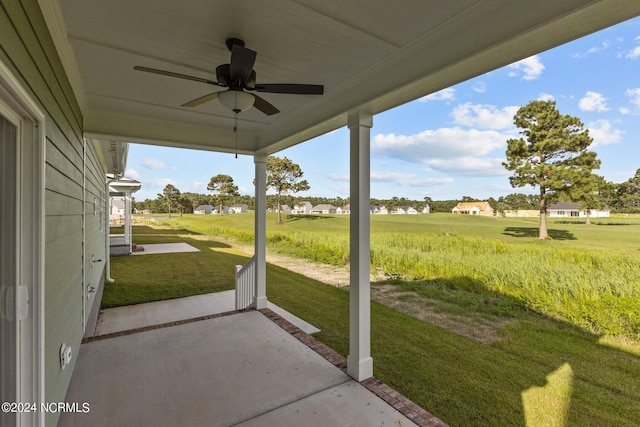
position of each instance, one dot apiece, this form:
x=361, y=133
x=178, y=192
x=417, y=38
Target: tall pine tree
x=551, y=154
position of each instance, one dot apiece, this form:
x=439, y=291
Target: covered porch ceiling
x=370, y=55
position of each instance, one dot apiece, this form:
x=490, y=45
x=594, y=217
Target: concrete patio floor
x=238, y=368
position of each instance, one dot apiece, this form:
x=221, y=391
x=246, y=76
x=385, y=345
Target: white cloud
x=448, y=94
x=402, y=179
x=603, y=133
x=529, y=68
x=470, y=166
x=408, y=179
x=132, y=173
x=454, y=151
x=634, y=54
x=480, y=87
x=605, y=44
x=193, y=186
x=546, y=97
x=443, y=143
x=484, y=116
x=624, y=110
x=152, y=163
x=593, y=101
x=634, y=94
x=157, y=183
x=338, y=176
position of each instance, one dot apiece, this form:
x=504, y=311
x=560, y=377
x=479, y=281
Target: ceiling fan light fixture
x=236, y=100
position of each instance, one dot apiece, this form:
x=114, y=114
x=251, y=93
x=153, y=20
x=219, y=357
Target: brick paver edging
x=399, y=402
x=162, y=325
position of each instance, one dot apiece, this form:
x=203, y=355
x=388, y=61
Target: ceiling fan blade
x=178, y=75
x=242, y=60
x=264, y=106
x=201, y=100
x=295, y=89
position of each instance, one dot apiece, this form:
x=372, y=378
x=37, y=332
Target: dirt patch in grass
x=478, y=326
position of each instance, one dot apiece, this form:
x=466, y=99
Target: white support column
x=127, y=221
x=359, y=361
x=260, y=230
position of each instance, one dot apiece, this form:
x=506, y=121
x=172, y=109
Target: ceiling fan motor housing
x=223, y=75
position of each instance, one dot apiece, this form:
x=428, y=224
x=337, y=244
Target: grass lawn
x=145, y=278
x=541, y=372
x=587, y=275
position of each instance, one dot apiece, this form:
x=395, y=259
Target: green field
x=541, y=371
x=587, y=275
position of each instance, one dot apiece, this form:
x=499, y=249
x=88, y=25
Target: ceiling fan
x=239, y=77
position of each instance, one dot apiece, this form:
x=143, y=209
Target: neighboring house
x=324, y=209
x=238, y=208
x=302, y=208
x=117, y=207
x=404, y=210
x=285, y=209
x=572, y=210
x=426, y=209
x=203, y=209
x=378, y=210
x=346, y=209
x=473, y=208
x=225, y=210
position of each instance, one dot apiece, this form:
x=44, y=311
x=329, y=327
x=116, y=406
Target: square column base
x=359, y=370
x=261, y=302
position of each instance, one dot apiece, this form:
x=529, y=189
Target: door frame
x=30, y=176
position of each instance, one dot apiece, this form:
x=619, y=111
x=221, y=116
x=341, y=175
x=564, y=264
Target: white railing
x=245, y=284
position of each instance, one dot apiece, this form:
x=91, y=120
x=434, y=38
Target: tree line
x=551, y=155
x=619, y=197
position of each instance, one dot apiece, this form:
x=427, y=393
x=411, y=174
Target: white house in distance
x=405, y=210
x=324, y=209
x=216, y=210
x=378, y=210
x=238, y=208
x=473, y=208
x=572, y=210
x=203, y=209
x=302, y=208
x=71, y=101
x=426, y=209
x=346, y=209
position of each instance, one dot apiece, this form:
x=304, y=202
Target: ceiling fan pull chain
x=235, y=131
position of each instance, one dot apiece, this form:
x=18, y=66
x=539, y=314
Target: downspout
x=84, y=233
x=116, y=177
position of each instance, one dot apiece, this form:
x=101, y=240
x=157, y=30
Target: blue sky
x=451, y=144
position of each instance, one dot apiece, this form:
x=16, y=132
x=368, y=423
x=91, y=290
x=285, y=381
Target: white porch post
x=127, y=221
x=359, y=361
x=260, y=230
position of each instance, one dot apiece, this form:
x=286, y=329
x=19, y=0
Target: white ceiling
x=368, y=54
